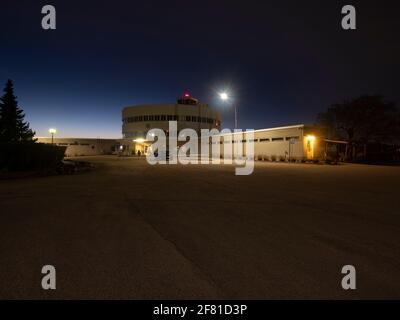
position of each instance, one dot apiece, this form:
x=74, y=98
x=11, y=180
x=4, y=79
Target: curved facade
x=188, y=112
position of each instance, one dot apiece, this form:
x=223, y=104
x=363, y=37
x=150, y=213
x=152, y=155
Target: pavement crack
x=197, y=270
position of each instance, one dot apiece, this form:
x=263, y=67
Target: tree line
x=365, y=120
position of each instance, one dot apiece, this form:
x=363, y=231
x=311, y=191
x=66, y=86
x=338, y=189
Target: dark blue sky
x=284, y=61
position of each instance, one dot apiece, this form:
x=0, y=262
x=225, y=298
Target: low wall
x=84, y=146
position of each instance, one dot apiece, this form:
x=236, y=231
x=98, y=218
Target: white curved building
x=187, y=111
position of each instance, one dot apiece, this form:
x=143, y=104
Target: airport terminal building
x=286, y=143
x=188, y=112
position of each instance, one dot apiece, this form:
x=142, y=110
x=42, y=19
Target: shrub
x=30, y=156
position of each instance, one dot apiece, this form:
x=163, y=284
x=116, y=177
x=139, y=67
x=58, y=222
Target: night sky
x=284, y=61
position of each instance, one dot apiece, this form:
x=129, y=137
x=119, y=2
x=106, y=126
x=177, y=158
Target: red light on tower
x=187, y=99
x=186, y=94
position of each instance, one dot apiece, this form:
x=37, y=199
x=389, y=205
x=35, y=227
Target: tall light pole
x=52, y=132
x=224, y=97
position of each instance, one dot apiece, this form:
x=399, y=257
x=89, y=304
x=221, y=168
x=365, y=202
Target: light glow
x=139, y=140
x=52, y=131
x=224, y=96
x=310, y=138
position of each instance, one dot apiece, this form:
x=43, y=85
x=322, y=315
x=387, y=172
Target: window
x=277, y=139
x=157, y=118
x=163, y=117
x=169, y=117
x=264, y=140
x=146, y=118
x=175, y=118
x=194, y=119
x=140, y=118
x=151, y=118
x=188, y=118
x=293, y=138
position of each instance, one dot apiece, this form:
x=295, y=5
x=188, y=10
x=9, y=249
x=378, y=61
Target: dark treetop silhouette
x=13, y=128
x=363, y=120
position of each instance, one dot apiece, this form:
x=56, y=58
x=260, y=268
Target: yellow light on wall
x=140, y=140
x=310, y=144
x=310, y=138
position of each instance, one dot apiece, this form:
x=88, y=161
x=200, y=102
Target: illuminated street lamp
x=224, y=97
x=52, y=132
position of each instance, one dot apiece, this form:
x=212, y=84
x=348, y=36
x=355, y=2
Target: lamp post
x=224, y=97
x=52, y=132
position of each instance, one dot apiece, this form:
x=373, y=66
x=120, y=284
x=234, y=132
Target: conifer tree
x=13, y=128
